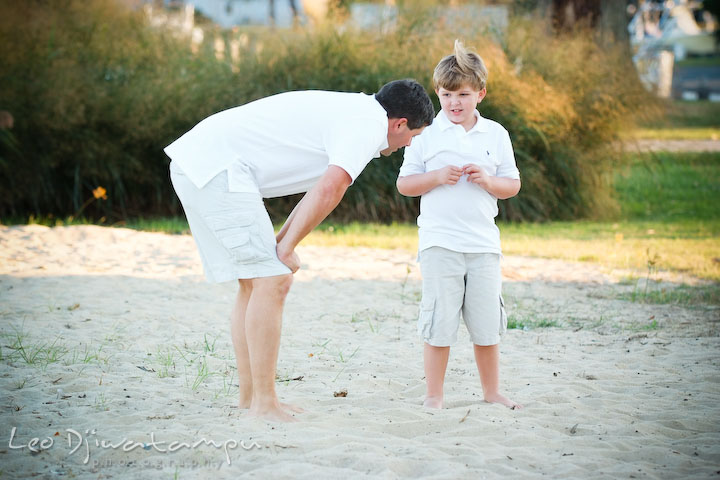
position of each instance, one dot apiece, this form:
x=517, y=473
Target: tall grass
x=96, y=94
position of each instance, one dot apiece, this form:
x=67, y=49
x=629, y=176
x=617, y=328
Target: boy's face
x=459, y=105
x=399, y=135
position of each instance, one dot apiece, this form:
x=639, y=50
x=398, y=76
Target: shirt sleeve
x=507, y=167
x=413, y=158
x=352, y=143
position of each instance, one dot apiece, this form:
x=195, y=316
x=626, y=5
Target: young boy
x=460, y=165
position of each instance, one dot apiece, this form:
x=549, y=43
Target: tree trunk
x=614, y=21
x=608, y=18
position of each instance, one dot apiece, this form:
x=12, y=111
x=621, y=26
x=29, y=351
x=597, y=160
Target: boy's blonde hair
x=459, y=69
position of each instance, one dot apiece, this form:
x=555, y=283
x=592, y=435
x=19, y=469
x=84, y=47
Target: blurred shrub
x=96, y=94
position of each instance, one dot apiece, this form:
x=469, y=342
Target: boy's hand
x=448, y=175
x=476, y=174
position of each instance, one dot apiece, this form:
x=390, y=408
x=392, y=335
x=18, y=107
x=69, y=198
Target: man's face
x=399, y=135
x=459, y=105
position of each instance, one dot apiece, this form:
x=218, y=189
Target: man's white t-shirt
x=460, y=217
x=281, y=145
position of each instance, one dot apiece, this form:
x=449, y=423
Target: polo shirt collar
x=385, y=143
x=481, y=125
x=382, y=147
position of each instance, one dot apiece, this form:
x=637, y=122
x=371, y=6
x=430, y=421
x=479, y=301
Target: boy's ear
x=481, y=94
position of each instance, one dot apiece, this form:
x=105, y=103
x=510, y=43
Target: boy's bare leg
x=487, y=359
x=237, y=331
x=263, y=323
x=435, y=360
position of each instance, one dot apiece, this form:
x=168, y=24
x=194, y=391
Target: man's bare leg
x=263, y=324
x=237, y=331
x=435, y=360
x=487, y=359
x=239, y=339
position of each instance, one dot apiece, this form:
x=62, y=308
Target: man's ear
x=396, y=124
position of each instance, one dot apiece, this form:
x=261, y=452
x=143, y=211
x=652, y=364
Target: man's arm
x=421, y=183
x=289, y=220
x=310, y=211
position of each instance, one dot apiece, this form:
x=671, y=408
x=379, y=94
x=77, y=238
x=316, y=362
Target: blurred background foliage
x=96, y=93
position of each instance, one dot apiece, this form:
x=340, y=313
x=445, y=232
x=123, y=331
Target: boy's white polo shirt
x=281, y=145
x=460, y=217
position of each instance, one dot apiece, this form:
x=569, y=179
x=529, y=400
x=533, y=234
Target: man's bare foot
x=501, y=399
x=433, y=402
x=272, y=413
x=291, y=407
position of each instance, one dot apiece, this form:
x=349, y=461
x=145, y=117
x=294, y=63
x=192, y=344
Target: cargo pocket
x=503, y=316
x=425, y=318
x=240, y=236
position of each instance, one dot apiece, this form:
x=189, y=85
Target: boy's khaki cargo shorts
x=461, y=284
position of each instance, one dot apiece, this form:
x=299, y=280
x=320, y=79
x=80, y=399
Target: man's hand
x=448, y=175
x=288, y=257
x=309, y=212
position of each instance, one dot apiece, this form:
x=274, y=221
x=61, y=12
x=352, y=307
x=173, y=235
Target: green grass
x=527, y=323
x=627, y=245
x=172, y=225
x=682, y=295
x=684, y=114
x=712, y=61
x=21, y=347
x=677, y=133
x=670, y=187
x=680, y=120
x=669, y=216
x=175, y=225
x=373, y=235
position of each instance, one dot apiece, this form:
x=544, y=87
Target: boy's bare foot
x=245, y=404
x=497, y=398
x=273, y=413
x=433, y=402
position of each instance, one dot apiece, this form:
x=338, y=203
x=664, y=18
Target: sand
x=117, y=363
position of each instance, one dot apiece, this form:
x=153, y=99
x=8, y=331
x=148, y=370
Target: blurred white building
x=664, y=33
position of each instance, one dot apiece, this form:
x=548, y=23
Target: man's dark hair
x=407, y=99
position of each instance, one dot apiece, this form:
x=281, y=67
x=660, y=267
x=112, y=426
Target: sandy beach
x=117, y=363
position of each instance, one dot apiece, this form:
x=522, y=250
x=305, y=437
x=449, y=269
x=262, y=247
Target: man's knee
x=278, y=285
x=284, y=284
